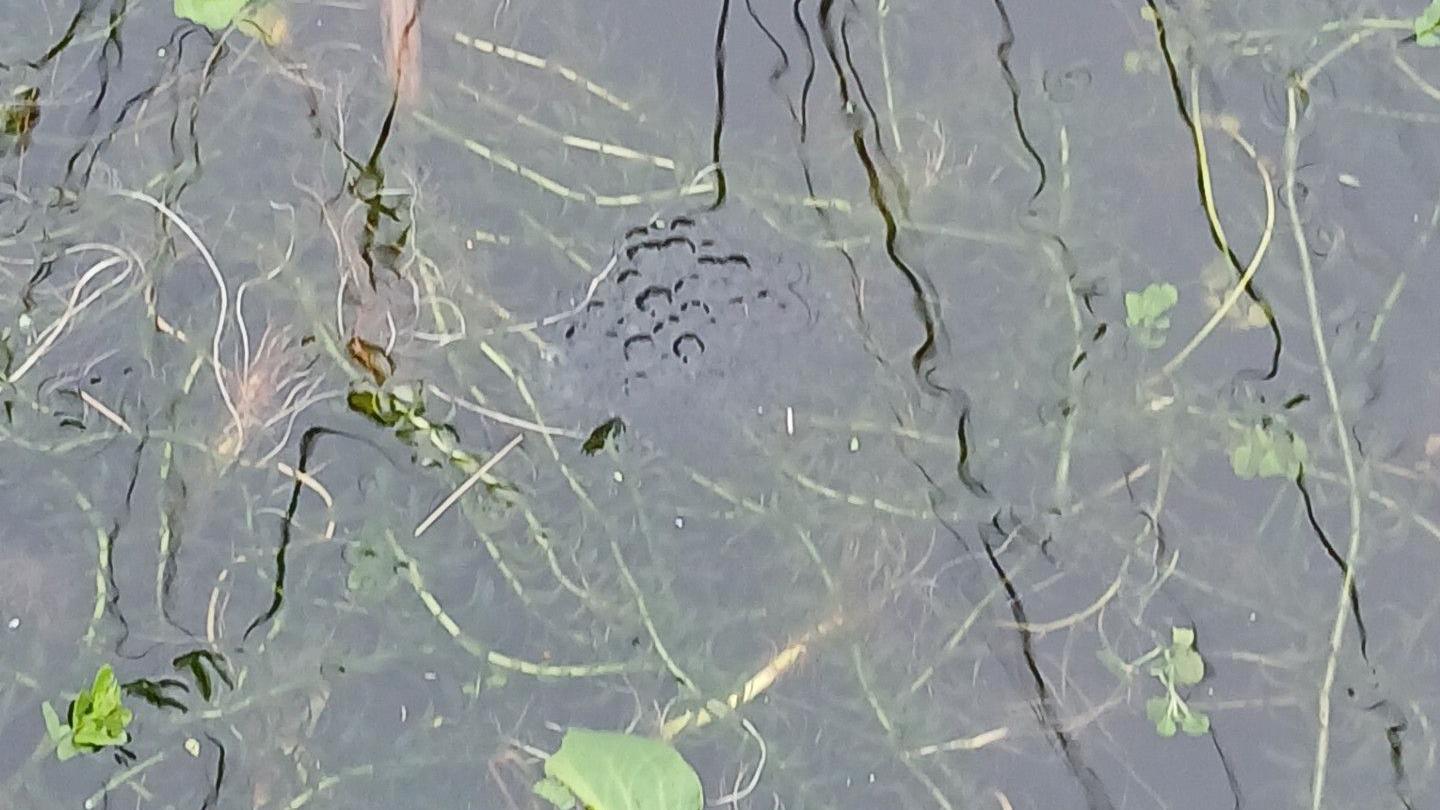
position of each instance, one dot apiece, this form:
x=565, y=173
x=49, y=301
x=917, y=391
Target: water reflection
x=762, y=377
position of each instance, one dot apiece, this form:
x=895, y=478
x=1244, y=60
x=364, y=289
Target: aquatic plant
x=272, y=385
x=97, y=718
x=607, y=770
x=1147, y=313
x=258, y=18
x=1427, y=26
x=1179, y=665
x=1267, y=450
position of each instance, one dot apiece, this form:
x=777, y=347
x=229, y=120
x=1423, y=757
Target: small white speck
x=618, y=476
x=429, y=676
x=13, y=624
x=159, y=53
x=854, y=444
x=872, y=778
x=1348, y=180
x=404, y=713
x=789, y=421
x=1252, y=616
x=679, y=522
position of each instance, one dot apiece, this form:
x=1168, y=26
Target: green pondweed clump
x=402, y=409
x=97, y=719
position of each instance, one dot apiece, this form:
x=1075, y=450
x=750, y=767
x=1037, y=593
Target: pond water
x=957, y=405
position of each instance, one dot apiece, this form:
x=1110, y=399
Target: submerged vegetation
x=97, y=718
x=728, y=409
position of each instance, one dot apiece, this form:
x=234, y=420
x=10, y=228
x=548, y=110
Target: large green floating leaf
x=261, y=19
x=606, y=770
x=213, y=14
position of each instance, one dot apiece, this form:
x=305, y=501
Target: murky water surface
x=955, y=405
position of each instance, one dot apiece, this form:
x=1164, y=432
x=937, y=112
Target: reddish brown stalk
x=401, y=28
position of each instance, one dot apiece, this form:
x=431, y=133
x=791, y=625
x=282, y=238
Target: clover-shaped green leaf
x=1158, y=710
x=1267, y=450
x=1147, y=313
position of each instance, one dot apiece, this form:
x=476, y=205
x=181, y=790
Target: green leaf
x=65, y=750
x=1182, y=638
x=54, y=729
x=213, y=14
x=1427, y=26
x=1157, y=709
x=1147, y=307
x=554, y=793
x=1146, y=313
x=1165, y=726
x=97, y=718
x=374, y=405
x=600, y=435
x=1185, y=666
x=612, y=771
x=1195, y=724
x=1267, y=451
x=1188, y=667
x=105, y=691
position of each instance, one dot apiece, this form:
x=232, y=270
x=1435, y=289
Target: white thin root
x=75, y=305
x=224, y=296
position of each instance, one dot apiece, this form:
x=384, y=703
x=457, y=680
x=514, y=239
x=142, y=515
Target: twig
x=504, y=418
x=971, y=743
x=468, y=483
x=1342, y=436
x=105, y=411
